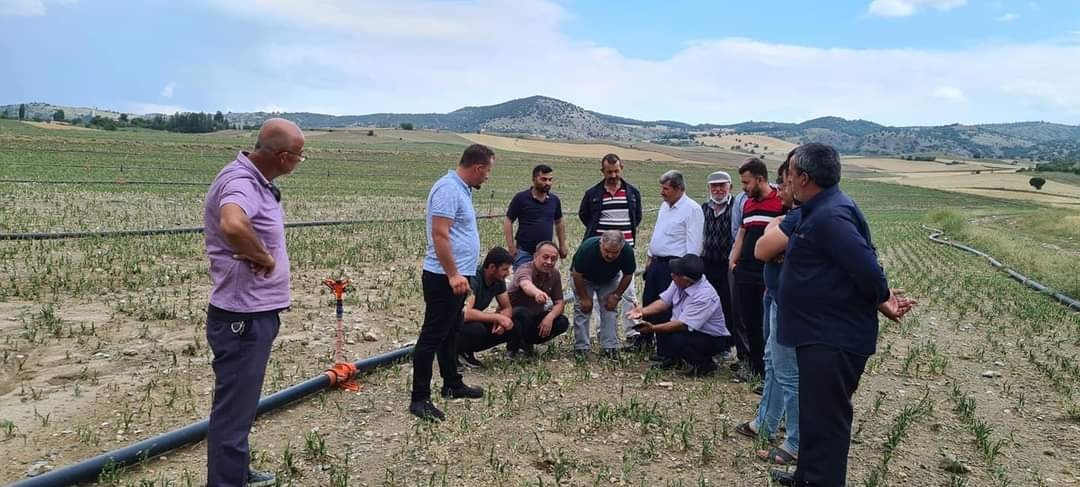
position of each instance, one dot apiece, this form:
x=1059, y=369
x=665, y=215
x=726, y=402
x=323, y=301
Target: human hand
x=261, y=265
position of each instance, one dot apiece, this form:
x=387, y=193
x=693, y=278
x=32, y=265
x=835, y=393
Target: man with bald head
x=249, y=273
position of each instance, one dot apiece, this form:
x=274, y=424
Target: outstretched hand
x=897, y=305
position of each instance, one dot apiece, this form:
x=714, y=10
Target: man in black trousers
x=831, y=289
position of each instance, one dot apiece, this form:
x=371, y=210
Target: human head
x=611, y=168
x=611, y=245
x=497, y=264
x=672, y=186
x=279, y=148
x=476, y=164
x=785, y=182
x=686, y=270
x=719, y=184
x=755, y=178
x=542, y=178
x=546, y=256
x=814, y=167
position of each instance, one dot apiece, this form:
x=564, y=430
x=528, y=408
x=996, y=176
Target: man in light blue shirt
x=453, y=251
x=696, y=330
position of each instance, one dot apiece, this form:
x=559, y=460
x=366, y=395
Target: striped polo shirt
x=756, y=216
x=615, y=214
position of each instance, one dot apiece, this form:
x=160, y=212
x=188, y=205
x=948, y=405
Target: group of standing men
x=713, y=276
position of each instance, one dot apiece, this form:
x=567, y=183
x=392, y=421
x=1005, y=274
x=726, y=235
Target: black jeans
x=476, y=336
x=527, y=326
x=438, y=336
x=694, y=348
x=750, y=294
x=825, y=413
x=717, y=274
x=657, y=279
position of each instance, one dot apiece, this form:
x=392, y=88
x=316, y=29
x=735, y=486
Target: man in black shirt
x=482, y=329
x=536, y=210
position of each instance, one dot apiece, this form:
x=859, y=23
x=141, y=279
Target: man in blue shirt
x=536, y=210
x=830, y=291
x=453, y=252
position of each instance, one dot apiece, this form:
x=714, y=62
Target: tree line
x=189, y=122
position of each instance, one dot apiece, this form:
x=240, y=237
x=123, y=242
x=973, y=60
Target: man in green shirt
x=482, y=329
x=602, y=268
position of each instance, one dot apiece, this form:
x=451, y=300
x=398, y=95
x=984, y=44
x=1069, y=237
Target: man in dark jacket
x=613, y=204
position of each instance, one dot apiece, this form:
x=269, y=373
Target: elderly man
x=249, y=274
x=536, y=210
x=678, y=232
x=762, y=206
x=536, y=294
x=695, y=332
x=602, y=268
x=453, y=249
x=483, y=329
x=830, y=291
x=716, y=247
x=614, y=204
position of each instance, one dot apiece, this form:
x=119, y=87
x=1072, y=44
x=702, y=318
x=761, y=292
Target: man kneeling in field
x=482, y=329
x=536, y=294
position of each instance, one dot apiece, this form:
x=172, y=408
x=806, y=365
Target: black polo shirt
x=536, y=219
x=484, y=293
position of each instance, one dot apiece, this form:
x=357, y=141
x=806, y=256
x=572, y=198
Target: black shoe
x=666, y=364
x=611, y=354
x=581, y=355
x=426, y=410
x=258, y=478
x=759, y=389
x=469, y=361
x=639, y=343
x=701, y=371
x=781, y=477
x=656, y=358
x=462, y=391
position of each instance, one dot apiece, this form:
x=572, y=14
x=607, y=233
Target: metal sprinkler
x=343, y=372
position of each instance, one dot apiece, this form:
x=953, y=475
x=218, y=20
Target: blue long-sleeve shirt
x=831, y=283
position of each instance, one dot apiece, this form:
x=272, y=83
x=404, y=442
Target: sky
x=896, y=62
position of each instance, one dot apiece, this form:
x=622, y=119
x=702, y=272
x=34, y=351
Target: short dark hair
x=476, y=155
x=541, y=169
x=546, y=243
x=755, y=167
x=781, y=172
x=498, y=257
x=820, y=161
x=610, y=159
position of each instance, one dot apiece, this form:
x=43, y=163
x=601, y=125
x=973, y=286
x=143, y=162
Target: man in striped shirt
x=763, y=204
x=613, y=204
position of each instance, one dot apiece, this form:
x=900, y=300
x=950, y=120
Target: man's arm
x=500, y=319
x=580, y=290
x=636, y=208
x=583, y=212
x=736, y=249
x=549, y=318
x=773, y=243
x=532, y=291
x=611, y=301
x=695, y=230
x=850, y=250
x=238, y=232
x=560, y=231
x=508, y=233
x=440, y=237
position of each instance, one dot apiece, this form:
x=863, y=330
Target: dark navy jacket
x=831, y=283
x=592, y=204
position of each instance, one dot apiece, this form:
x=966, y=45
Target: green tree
x=124, y=117
x=58, y=116
x=1037, y=183
x=406, y=126
x=22, y=111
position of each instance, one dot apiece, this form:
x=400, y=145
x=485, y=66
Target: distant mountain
x=541, y=116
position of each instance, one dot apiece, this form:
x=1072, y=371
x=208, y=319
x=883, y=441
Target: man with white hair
x=602, y=269
x=716, y=247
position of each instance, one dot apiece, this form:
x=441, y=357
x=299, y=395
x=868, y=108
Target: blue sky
x=901, y=62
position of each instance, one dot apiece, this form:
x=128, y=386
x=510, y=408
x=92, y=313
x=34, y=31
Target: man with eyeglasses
x=249, y=273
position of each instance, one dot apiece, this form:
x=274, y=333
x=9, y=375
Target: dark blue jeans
x=241, y=350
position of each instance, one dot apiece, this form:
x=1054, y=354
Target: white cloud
x=906, y=8
x=169, y=89
x=1009, y=17
x=28, y=8
x=356, y=69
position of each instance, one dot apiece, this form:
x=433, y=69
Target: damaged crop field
x=102, y=339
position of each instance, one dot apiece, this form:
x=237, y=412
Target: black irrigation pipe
x=89, y=470
x=1068, y=301
x=184, y=230
x=143, y=183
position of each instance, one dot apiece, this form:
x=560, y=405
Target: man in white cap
x=716, y=247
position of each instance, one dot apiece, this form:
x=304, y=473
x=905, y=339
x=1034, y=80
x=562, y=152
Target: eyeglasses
x=301, y=155
x=274, y=191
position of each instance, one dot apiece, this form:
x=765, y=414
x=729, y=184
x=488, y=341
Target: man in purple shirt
x=249, y=272
x=696, y=330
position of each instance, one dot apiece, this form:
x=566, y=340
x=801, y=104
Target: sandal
x=777, y=456
x=745, y=430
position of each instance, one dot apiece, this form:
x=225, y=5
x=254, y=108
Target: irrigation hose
x=1068, y=301
x=89, y=470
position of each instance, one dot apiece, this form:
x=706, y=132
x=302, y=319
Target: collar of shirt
x=818, y=199
x=681, y=200
x=603, y=187
x=246, y=163
x=459, y=180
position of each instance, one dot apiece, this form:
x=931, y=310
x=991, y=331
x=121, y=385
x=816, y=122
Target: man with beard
x=453, y=249
x=762, y=205
x=536, y=296
x=482, y=329
x=678, y=232
x=614, y=204
x=716, y=247
x=536, y=210
x=831, y=290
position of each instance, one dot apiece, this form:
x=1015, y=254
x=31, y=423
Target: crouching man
x=484, y=329
x=696, y=330
x=536, y=295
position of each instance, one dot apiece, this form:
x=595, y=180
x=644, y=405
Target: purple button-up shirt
x=234, y=287
x=697, y=307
